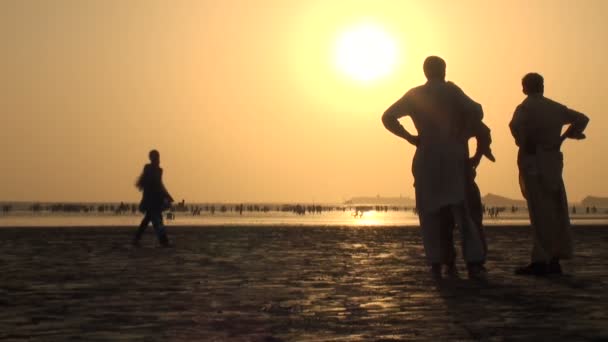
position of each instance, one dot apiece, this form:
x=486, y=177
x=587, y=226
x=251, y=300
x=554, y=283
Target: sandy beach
x=287, y=284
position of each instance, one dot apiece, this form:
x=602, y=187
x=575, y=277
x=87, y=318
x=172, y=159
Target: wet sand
x=287, y=284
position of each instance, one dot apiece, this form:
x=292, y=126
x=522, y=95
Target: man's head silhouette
x=434, y=68
x=533, y=83
x=154, y=157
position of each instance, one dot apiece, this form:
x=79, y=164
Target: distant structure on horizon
x=492, y=200
x=594, y=201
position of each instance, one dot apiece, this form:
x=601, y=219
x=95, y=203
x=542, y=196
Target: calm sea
x=272, y=218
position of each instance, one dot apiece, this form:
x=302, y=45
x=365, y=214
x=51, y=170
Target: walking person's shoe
x=533, y=269
x=477, y=271
x=554, y=267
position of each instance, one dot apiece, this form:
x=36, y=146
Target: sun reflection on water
x=367, y=218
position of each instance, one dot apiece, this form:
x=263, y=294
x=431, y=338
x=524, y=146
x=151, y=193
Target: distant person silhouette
x=536, y=126
x=443, y=116
x=154, y=200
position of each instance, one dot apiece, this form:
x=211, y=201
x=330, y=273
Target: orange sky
x=245, y=103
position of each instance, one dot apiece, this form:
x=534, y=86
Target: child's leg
x=472, y=245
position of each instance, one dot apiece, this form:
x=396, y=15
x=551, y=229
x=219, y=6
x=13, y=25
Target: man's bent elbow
x=388, y=120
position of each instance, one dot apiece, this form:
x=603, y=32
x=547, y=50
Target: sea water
x=271, y=218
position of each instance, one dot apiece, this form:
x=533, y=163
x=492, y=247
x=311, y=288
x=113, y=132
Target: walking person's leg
x=142, y=228
x=159, y=228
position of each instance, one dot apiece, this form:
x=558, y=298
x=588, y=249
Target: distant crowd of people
x=299, y=209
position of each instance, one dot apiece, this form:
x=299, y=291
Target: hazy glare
x=244, y=102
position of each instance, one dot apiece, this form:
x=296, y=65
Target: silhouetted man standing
x=536, y=126
x=443, y=115
x=154, y=200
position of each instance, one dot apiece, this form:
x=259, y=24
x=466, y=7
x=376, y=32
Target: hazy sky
x=244, y=100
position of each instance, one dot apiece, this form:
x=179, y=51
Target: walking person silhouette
x=155, y=199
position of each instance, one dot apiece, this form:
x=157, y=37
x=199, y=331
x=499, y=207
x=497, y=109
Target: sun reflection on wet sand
x=366, y=217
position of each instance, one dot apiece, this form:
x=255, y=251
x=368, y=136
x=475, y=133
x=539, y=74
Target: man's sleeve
x=401, y=108
x=516, y=125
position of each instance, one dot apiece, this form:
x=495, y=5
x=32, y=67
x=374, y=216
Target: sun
x=365, y=52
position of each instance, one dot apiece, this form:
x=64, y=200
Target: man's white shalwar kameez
x=440, y=112
x=536, y=126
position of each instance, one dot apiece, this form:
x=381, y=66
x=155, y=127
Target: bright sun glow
x=365, y=52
